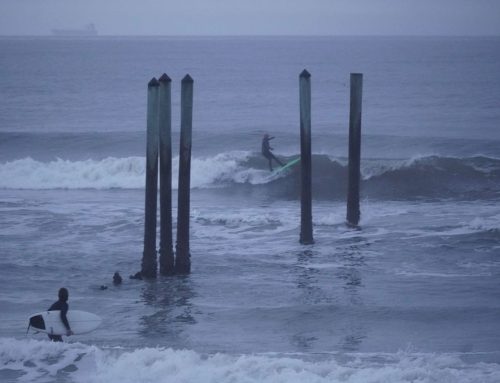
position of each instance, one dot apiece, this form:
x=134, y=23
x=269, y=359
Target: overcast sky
x=254, y=17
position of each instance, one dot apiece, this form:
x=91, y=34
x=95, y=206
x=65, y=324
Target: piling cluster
x=354, y=166
x=159, y=149
x=159, y=146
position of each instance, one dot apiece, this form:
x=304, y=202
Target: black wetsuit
x=266, y=152
x=63, y=307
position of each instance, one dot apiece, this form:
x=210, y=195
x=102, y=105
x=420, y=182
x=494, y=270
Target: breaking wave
x=420, y=177
x=43, y=361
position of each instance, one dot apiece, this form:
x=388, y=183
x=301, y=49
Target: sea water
x=413, y=295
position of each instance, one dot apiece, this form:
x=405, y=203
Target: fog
x=253, y=17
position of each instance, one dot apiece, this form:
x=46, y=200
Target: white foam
x=237, y=219
x=329, y=219
x=107, y=173
x=43, y=361
x=124, y=173
x=220, y=169
x=476, y=225
x=440, y=275
x=485, y=223
x=380, y=166
x=230, y=223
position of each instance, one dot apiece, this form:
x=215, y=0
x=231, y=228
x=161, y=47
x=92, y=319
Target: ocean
x=413, y=295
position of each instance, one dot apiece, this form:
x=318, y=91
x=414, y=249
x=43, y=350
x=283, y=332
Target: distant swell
x=438, y=177
x=421, y=177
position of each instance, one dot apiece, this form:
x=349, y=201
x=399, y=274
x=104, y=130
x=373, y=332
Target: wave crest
x=419, y=177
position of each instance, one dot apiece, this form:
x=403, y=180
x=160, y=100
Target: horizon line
x=243, y=35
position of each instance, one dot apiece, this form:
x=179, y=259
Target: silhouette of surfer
x=62, y=306
x=117, y=279
x=266, y=151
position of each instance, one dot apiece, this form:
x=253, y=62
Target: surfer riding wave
x=266, y=151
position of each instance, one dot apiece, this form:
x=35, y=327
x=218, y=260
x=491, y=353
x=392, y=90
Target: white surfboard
x=81, y=322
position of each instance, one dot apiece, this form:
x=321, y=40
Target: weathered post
x=182, y=258
x=149, y=266
x=354, y=176
x=306, y=232
x=165, y=129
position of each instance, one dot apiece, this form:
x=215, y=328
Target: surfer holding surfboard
x=62, y=306
x=266, y=151
x=59, y=320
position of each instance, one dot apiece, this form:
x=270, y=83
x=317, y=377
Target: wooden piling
x=354, y=176
x=165, y=133
x=149, y=266
x=182, y=258
x=306, y=231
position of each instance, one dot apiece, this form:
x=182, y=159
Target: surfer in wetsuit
x=61, y=305
x=117, y=279
x=266, y=151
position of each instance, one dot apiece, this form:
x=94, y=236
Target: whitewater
x=418, y=177
x=167, y=365
x=410, y=296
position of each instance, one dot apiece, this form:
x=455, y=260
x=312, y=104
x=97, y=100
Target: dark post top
x=154, y=82
x=164, y=78
x=187, y=78
x=305, y=74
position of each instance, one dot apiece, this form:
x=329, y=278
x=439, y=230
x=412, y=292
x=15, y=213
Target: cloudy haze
x=254, y=17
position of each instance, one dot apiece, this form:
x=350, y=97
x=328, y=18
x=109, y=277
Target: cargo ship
x=87, y=30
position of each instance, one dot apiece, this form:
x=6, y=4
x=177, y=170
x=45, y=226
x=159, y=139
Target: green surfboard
x=288, y=165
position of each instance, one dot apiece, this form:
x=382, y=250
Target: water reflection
x=307, y=278
x=353, y=261
x=170, y=299
x=311, y=295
